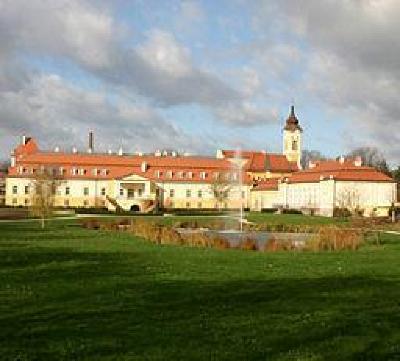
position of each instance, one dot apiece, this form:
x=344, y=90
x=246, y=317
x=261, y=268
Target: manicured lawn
x=68, y=293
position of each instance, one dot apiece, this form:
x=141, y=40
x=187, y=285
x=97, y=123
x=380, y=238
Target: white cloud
x=162, y=51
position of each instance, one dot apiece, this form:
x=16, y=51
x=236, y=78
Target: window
x=243, y=194
x=121, y=191
x=216, y=175
x=86, y=203
x=15, y=190
x=203, y=175
x=187, y=204
x=140, y=192
x=74, y=171
x=189, y=174
x=200, y=193
x=188, y=193
x=67, y=191
x=26, y=201
x=169, y=174
x=103, y=191
x=14, y=201
x=180, y=174
x=131, y=193
x=104, y=172
x=61, y=171
x=86, y=191
x=82, y=171
x=199, y=205
x=66, y=203
x=172, y=193
x=157, y=174
x=103, y=203
x=26, y=189
x=95, y=172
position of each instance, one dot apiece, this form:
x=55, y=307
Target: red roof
x=157, y=168
x=345, y=170
x=262, y=161
x=267, y=185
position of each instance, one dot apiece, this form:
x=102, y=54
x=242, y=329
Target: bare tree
x=371, y=157
x=220, y=188
x=310, y=155
x=350, y=199
x=43, y=191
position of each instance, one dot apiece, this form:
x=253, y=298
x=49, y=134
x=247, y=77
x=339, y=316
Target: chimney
x=358, y=161
x=91, y=142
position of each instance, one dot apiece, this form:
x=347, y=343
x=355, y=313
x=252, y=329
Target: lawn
x=68, y=293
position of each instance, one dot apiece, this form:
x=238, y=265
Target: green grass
x=68, y=293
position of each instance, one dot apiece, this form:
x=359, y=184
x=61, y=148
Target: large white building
x=252, y=179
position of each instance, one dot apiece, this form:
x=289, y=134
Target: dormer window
x=157, y=174
x=74, y=171
x=203, y=175
x=95, y=172
x=189, y=175
x=104, y=172
x=169, y=174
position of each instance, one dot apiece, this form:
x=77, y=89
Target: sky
x=196, y=76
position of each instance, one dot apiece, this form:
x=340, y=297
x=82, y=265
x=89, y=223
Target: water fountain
x=238, y=167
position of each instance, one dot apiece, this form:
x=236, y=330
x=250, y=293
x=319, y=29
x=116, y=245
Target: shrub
x=336, y=239
x=220, y=243
x=90, y=224
x=248, y=245
x=341, y=212
x=291, y=211
x=269, y=210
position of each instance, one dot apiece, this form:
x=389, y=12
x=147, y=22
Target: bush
x=339, y=212
x=291, y=211
x=248, y=245
x=269, y=210
x=336, y=239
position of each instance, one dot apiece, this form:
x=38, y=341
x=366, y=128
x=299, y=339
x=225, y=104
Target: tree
x=310, y=155
x=220, y=188
x=43, y=191
x=396, y=174
x=349, y=199
x=371, y=157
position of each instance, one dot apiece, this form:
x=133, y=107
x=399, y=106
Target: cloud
x=56, y=112
x=351, y=57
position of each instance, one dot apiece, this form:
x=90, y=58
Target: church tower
x=292, y=138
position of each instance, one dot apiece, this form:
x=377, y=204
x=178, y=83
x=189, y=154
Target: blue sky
x=199, y=75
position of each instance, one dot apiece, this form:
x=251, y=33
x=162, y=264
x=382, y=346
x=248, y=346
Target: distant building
x=142, y=182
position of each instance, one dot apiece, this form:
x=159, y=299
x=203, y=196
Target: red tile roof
x=267, y=185
x=262, y=161
x=346, y=170
x=120, y=166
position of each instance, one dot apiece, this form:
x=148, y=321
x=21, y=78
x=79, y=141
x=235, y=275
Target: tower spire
x=292, y=111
